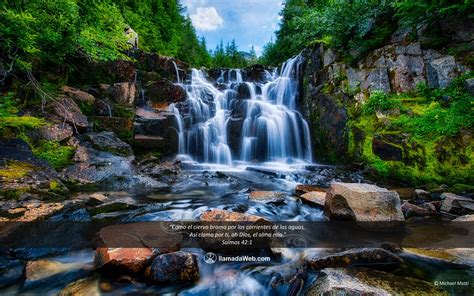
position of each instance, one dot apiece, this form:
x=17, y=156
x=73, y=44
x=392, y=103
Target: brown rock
x=164, y=90
x=411, y=210
x=56, y=132
x=314, y=198
x=304, y=188
x=78, y=95
x=122, y=260
x=69, y=111
x=124, y=93
x=362, y=202
x=267, y=196
x=226, y=216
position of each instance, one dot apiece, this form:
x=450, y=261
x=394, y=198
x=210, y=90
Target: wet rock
x=68, y=111
x=372, y=258
x=82, y=287
x=314, y=198
x=456, y=204
x=78, y=95
x=11, y=271
x=164, y=90
x=149, y=142
x=56, y=132
x=156, y=168
x=22, y=172
x=109, y=142
x=176, y=267
x=267, y=196
x=115, y=205
x=448, y=258
x=123, y=93
x=255, y=73
x=361, y=281
x=243, y=91
x=411, y=210
x=304, y=188
x=41, y=271
x=362, y=202
x=122, y=260
x=226, y=216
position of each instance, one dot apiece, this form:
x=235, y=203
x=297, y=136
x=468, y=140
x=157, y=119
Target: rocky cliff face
x=333, y=92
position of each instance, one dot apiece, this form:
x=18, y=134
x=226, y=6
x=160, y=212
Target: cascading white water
x=242, y=121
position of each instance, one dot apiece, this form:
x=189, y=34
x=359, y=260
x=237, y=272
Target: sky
x=249, y=22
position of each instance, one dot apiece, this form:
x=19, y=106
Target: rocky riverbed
x=305, y=193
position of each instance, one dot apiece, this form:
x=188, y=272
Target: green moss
x=15, y=170
x=56, y=155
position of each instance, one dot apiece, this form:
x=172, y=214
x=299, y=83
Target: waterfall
x=237, y=121
x=177, y=72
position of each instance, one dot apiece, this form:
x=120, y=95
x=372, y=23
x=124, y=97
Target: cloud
x=207, y=19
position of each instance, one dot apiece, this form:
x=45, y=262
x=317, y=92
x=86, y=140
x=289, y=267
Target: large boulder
x=362, y=202
x=372, y=258
x=361, y=281
x=173, y=268
x=109, y=142
x=123, y=260
x=305, y=188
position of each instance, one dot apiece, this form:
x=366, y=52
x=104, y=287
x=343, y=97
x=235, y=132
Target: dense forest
x=355, y=27
x=45, y=31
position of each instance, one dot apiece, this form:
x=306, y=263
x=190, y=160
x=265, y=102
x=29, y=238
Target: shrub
x=380, y=101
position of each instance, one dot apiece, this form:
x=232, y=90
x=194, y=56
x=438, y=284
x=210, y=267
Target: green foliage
x=355, y=27
x=380, y=101
x=56, y=155
x=10, y=121
x=413, y=12
x=358, y=25
x=450, y=110
x=39, y=32
x=228, y=56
